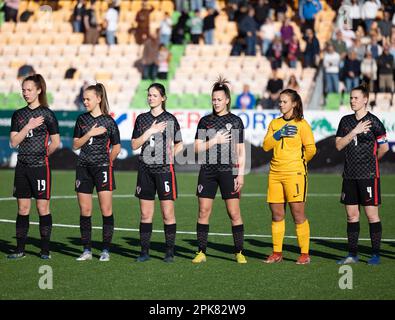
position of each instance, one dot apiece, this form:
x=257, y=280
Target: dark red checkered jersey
x=361, y=154
x=156, y=152
x=96, y=151
x=33, y=150
x=221, y=157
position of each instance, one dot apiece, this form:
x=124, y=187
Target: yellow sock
x=278, y=231
x=303, y=234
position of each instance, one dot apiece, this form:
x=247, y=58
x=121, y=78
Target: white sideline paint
x=193, y=232
x=191, y=195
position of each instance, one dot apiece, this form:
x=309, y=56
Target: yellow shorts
x=286, y=188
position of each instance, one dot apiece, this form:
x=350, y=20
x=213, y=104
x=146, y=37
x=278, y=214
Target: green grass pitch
x=220, y=277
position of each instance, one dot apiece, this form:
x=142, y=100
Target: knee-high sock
x=170, y=237
x=145, y=237
x=22, y=228
x=238, y=237
x=86, y=232
x=108, y=231
x=303, y=234
x=278, y=231
x=45, y=232
x=353, y=235
x=202, y=236
x=375, y=230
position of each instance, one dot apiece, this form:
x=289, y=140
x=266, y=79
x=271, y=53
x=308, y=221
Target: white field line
x=194, y=233
x=192, y=195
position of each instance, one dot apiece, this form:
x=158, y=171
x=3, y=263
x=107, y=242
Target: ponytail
x=40, y=84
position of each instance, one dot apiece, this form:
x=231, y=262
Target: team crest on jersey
x=138, y=189
x=200, y=188
x=228, y=126
x=77, y=183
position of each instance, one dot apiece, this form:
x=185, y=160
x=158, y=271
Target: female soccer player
x=292, y=141
x=158, y=134
x=95, y=131
x=363, y=136
x=32, y=127
x=220, y=135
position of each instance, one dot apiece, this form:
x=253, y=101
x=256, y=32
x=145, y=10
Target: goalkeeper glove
x=285, y=131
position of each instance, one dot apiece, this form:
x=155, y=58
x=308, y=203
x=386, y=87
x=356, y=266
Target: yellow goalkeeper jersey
x=290, y=154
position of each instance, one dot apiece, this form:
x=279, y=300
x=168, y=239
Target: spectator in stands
x=275, y=53
x=79, y=99
x=274, y=86
x=196, y=5
x=239, y=46
x=280, y=8
x=352, y=71
x=150, y=56
x=111, y=24
x=312, y=51
x=293, y=52
x=385, y=64
x=369, y=12
x=245, y=100
x=293, y=83
x=180, y=29
x=210, y=4
x=385, y=26
x=369, y=71
x=91, y=26
x=267, y=33
x=25, y=71
x=70, y=73
x=348, y=36
x=164, y=57
x=308, y=10
x=359, y=48
x=209, y=26
x=11, y=8
x=78, y=14
x=287, y=32
x=340, y=46
x=248, y=28
x=374, y=47
x=354, y=13
x=165, y=29
x=195, y=25
x=331, y=68
x=262, y=8
x=143, y=22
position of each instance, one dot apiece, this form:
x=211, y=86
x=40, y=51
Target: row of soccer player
x=157, y=133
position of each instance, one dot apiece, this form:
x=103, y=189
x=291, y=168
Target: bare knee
x=42, y=207
x=23, y=209
x=85, y=210
x=204, y=214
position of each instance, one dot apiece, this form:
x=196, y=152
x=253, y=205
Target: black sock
x=170, y=236
x=45, y=232
x=238, y=237
x=86, y=232
x=145, y=237
x=353, y=235
x=202, y=236
x=108, y=231
x=375, y=230
x=22, y=228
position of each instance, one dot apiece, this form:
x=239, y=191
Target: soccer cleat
x=275, y=257
x=143, y=257
x=374, y=260
x=169, y=257
x=104, y=256
x=86, y=255
x=200, y=257
x=16, y=256
x=348, y=260
x=45, y=256
x=304, y=258
x=240, y=258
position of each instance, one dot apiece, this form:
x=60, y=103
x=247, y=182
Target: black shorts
x=208, y=184
x=32, y=182
x=365, y=192
x=89, y=177
x=163, y=183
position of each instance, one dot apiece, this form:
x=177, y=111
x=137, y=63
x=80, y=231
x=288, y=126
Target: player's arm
x=382, y=150
x=342, y=142
x=94, y=131
x=269, y=142
x=16, y=137
x=241, y=160
x=308, y=142
x=155, y=128
x=115, y=150
x=178, y=147
x=55, y=143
